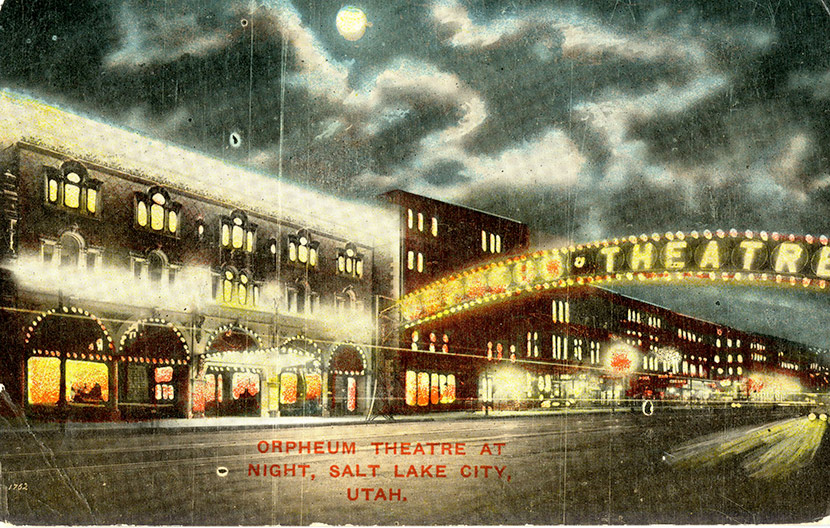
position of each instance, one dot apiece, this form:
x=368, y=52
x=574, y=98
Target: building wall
x=439, y=237
x=592, y=346
x=127, y=274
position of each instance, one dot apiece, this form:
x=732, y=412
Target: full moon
x=351, y=23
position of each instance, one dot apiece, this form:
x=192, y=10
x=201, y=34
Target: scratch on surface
x=823, y=3
x=47, y=454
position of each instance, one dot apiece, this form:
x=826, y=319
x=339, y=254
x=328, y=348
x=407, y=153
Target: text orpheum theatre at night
x=362, y=482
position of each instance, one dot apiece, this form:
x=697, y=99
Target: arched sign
x=740, y=257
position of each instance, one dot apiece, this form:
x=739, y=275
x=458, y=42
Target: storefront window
x=450, y=388
x=423, y=389
x=246, y=384
x=288, y=388
x=434, y=395
x=411, y=387
x=86, y=382
x=351, y=403
x=44, y=380
x=314, y=386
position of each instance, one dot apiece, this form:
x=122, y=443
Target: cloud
x=162, y=38
x=454, y=21
x=319, y=72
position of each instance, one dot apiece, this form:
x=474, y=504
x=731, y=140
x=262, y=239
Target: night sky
x=584, y=119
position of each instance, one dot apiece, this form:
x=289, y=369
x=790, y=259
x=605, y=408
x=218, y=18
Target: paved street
x=577, y=468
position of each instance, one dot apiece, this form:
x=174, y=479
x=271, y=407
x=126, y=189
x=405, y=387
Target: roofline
x=421, y=196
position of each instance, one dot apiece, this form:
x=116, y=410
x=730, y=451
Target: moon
x=351, y=23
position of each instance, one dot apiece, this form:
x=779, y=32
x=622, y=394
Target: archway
x=153, y=370
x=347, y=375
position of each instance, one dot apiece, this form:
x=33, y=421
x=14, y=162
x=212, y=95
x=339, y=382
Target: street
x=590, y=468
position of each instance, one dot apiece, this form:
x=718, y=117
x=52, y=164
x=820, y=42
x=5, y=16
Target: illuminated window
x=411, y=388
x=410, y=260
x=237, y=232
x=445, y=348
x=246, y=385
x=288, y=388
x=349, y=261
x=302, y=249
x=561, y=311
x=351, y=394
x=155, y=211
x=87, y=382
x=434, y=227
x=164, y=391
x=484, y=240
x=236, y=288
x=70, y=187
x=532, y=344
x=423, y=389
x=43, y=380
x=420, y=221
x=313, y=386
x=410, y=218
x=420, y=262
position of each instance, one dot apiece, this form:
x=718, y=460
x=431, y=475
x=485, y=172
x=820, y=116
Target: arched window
x=238, y=233
x=237, y=288
x=302, y=249
x=347, y=301
x=71, y=188
x=349, y=261
x=156, y=264
x=156, y=211
x=71, y=246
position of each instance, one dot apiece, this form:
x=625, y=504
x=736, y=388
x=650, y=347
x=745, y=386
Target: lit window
x=498, y=243
x=155, y=211
x=410, y=260
x=420, y=221
x=227, y=286
x=43, y=380
x=434, y=229
x=237, y=288
x=71, y=187
x=302, y=249
x=238, y=233
x=86, y=382
x=410, y=220
x=484, y=240
x=349, y=261
x=420, y=262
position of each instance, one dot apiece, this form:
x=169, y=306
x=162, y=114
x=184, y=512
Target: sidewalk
x=246, y=423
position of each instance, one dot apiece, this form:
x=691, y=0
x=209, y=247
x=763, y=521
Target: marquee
x=737, y=257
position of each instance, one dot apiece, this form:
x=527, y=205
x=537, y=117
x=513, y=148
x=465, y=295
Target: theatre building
x=144, y=280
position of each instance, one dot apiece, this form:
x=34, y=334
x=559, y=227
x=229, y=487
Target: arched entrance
x=297, y=381
x=227, y=383
x=153, y=370
x=69, y=364
x=347, y=377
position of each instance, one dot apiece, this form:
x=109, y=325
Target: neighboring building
x=585, y=345
x=153, y=281
x=438, y=238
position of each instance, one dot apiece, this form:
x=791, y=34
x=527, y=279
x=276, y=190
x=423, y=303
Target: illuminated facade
x=140, y=280
x=140, y=283
x=588, y=346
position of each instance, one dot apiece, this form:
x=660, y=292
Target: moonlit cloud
x=455, y=19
